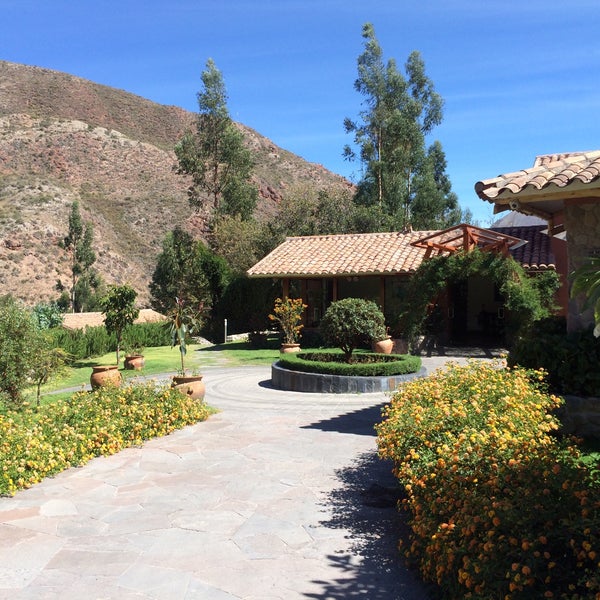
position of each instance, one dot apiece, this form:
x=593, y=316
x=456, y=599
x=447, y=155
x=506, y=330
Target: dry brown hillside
x=63, y=138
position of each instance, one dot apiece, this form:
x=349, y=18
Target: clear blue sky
x=519, y=77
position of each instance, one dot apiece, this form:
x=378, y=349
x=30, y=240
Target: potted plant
x=383, y=344
x=288, y=314
x=134, y=357
x=184, y=321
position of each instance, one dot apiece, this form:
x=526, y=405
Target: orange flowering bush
x=36, y=443
x=288, y=313
x=500, y=507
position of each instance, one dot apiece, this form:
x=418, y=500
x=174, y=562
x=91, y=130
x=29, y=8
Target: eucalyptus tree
x=214, y=154
x=399, y=112
x=78, y=243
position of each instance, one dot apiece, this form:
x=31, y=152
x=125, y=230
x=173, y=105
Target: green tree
x=78, y=243
x=434, y=204
x=399, y=112
x=119, y=310
x=215, y=156
x=177, y=273
x=239, y=243
x=20, y=342
x=49, y=362
x=350, y=322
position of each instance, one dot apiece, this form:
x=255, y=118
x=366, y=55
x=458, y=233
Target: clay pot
x=134, y=362
x=383, y=346
x=104, y=376
x=287, y=348
x=192, y=386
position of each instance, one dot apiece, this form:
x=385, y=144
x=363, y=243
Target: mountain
x=63, y=138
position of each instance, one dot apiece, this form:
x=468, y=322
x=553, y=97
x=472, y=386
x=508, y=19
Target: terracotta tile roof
x=349, y=254
x=536, y=254
x=96, y=319
x=550, y=169
x=377, y=254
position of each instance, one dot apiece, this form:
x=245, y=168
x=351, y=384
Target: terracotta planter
x=287, y=348
x=192, y=386
x=135, y=362
x=104, y=376
x=383, y=346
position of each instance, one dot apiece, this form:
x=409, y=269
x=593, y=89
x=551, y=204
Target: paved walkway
x=278, y=496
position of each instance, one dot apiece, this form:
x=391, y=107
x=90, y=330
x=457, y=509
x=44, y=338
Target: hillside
x=63, y=138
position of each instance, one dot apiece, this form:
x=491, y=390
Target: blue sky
x=519, y=77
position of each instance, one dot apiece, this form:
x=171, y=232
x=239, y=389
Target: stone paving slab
x=265, y=500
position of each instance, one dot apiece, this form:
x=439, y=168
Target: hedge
x=332, y=363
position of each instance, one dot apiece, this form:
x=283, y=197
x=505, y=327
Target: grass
x=160, y=360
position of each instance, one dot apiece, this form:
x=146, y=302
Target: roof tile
x=374, y=254
x=549, y=169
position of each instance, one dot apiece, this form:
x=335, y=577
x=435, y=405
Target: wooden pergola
x=467, y=237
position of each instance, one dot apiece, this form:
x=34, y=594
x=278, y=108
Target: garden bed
x=326, y=372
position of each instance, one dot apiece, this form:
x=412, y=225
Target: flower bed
x=36, y=443
x=499, y=505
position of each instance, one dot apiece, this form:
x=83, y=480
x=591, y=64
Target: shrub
x=570, y=359
x=20, y=340
x=499, y=506
x=351, y=322
x=95, y=341
x=48, y=315
x=287, y=314
x=84, y=343
x=37, y=443
x=364, y=364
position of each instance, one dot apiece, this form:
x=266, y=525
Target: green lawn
x=165, y=359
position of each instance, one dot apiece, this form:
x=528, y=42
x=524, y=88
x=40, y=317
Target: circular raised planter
x=299, y=381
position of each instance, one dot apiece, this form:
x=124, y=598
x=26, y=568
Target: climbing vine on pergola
x=527, y=298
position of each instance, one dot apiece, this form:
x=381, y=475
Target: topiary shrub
x=349, y=323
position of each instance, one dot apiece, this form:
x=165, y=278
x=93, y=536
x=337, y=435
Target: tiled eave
x=543, y=189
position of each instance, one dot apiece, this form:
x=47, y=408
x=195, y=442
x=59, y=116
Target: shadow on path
x=366, y=505
x=357, y=422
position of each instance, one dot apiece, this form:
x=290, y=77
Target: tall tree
x=214, y=154
x=78, y=243
x=187, y=270
x=399, y=113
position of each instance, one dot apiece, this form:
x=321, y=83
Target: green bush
x=95, y=341
x=349, y=323
x=48, y=315
x=148, y=335
x=20, y=342
x=365, y=364
x=84, y=343
x=571, y=360
x=499, y=505
x=35, y=444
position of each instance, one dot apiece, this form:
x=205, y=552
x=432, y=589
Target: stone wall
x=582, y=221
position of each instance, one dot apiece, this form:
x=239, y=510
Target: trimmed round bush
x=347, y=324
